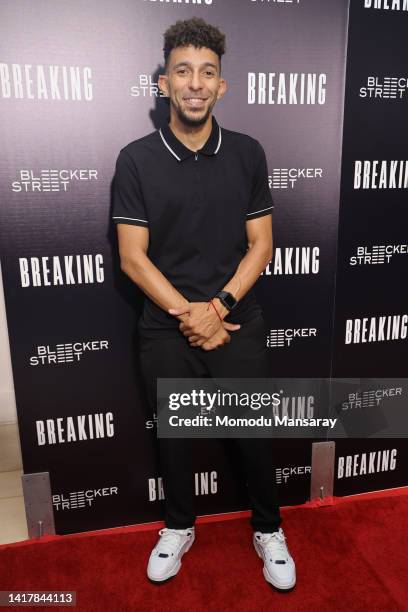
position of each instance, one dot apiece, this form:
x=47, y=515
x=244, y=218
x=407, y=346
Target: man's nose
x=195, y=81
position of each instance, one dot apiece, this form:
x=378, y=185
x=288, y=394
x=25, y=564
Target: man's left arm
x=258, y=229
x=258, y=255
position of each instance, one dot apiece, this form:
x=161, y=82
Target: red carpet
x=350, y=555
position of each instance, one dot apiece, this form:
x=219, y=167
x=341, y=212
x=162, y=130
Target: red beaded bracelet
x=213, y=305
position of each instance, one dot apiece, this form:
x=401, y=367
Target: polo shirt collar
x=180, y=151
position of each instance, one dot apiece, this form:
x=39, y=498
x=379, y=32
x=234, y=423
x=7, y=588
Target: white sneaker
x=165, y=558
x=279, y=567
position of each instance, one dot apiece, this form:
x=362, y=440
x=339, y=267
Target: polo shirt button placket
x=198, y=201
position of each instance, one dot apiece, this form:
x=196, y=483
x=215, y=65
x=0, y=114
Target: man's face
x=193, y=83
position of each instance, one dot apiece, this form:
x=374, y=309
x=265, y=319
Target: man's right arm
x=134, y=262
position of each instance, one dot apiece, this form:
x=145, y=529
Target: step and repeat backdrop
x=78, y=82
x=371, y=316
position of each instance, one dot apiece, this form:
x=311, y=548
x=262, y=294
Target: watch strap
x=227, y=299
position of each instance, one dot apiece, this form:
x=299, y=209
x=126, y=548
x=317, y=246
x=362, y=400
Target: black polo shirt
x=195, y=206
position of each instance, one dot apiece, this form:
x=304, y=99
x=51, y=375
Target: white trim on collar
x=175, y=154
x=219, y=140
x=168, y=146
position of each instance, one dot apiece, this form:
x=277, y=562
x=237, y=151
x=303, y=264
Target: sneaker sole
x=268, y=578
x=175, y=569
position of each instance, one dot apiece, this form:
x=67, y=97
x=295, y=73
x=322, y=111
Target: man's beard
x=191, y=121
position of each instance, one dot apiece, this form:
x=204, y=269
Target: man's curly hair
x=195, y=32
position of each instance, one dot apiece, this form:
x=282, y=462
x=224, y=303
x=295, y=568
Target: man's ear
x=163, y=85
x=222, y=88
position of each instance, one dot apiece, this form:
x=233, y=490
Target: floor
x=13, y=525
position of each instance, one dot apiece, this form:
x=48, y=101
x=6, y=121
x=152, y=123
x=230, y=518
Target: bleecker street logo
x=284, y=337
x=69, y=352
x=386, y=88
x=51, y=180
x=81, y=499
x=369, y=399
x=286, y=178
x=151, y=423
x=378, y=254
x=146, y=88
x=283, y=474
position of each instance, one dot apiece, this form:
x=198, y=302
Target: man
x=193, y=212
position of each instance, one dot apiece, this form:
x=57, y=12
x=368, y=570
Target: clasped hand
x=203, y=326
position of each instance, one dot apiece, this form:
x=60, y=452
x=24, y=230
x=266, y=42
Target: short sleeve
x=261, y=202
x=128, y=205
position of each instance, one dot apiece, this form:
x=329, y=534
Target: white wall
x=7, y=398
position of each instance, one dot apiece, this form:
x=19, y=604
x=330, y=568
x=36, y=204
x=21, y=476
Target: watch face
x=230, y=300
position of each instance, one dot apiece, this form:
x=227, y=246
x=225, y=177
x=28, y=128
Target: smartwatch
x=227, y=299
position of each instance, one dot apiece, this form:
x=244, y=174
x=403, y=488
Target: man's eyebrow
x=189, y=64
x=211, y=64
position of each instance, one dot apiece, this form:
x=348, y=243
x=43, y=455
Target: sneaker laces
x=170, y=540
x=274, y=544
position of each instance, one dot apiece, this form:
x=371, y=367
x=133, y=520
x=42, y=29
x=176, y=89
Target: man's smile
x=195, y=101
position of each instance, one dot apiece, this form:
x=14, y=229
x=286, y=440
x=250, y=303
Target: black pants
x=244, y=356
